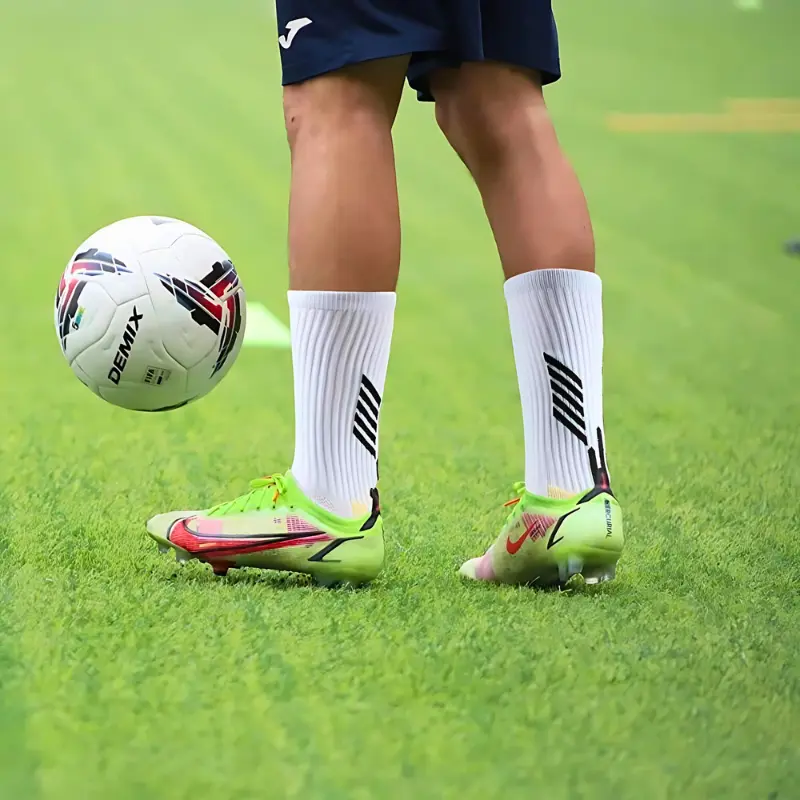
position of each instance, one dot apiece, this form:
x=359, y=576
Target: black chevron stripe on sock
x=556, y=364
x=367, y=384
x=360, y=436
x=365, y=420
x=566, y=397
x=361, y=411
x=577, y=419
x=578, y=434
x=371, y=434
x=559, y=390
x=565, y=383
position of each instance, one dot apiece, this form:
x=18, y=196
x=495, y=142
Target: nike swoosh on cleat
x=320, y=556
x=513, y=547
x=239, y=545
x=540, y=522
x=552, y=540
x=195, y=530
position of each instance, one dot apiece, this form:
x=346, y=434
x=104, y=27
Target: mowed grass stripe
x=682, y=197
x=194, y=141
x=38, y=202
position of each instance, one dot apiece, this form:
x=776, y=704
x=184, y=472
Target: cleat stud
x=328, y=583
x=221, y=570
x=163, y=549
x=574, y=566
x=181, y=556
x=600, y=574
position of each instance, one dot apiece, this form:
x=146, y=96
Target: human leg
x=495, y=118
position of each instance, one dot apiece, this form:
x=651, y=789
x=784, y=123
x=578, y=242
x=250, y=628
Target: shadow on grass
x=280, y=581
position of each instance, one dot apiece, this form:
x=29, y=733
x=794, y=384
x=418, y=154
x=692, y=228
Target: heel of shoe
x=359, y=562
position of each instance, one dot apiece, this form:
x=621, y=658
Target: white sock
x=556, y=318
x=340, y=351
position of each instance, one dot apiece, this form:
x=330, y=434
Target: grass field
x=123, y=676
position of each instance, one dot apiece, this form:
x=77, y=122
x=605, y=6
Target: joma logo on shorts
x=125, y=347
x=292, y=28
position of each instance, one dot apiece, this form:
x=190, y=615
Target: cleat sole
x=346, y=578
x=600, y=574
x=592, y=573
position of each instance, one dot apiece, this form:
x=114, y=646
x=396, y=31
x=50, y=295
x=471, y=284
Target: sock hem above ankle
x=560, y=279
x=343, y=301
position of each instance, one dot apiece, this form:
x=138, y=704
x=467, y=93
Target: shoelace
x=519, y=489
x=254, y=499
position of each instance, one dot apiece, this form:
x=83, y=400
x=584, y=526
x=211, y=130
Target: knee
x=489, y=117
x=339, y=103
x=309, y=111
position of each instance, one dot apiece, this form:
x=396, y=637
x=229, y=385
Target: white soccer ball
x=150, y=313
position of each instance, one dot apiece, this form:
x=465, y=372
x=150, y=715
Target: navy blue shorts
x=318, y=36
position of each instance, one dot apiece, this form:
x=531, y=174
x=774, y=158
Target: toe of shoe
x=161, y=523
x=469, y=569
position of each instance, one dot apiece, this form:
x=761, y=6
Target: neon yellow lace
x=256, y=499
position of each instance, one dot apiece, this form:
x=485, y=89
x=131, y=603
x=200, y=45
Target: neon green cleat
x=275, y=526
x=546, y=541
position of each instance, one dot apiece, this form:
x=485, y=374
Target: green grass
x=122, y=676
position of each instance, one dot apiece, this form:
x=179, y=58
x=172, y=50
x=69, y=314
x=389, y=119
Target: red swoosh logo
x=205, y=547
x=538, y=525
x=513, y=547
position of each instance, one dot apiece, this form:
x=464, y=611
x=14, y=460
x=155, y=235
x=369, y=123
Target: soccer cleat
x=275, y=526
x=546, y=541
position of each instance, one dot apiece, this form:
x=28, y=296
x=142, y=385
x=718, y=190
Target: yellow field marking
x=755, y=115
x=760, y=105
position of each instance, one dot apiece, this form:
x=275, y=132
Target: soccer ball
x=150, y=313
